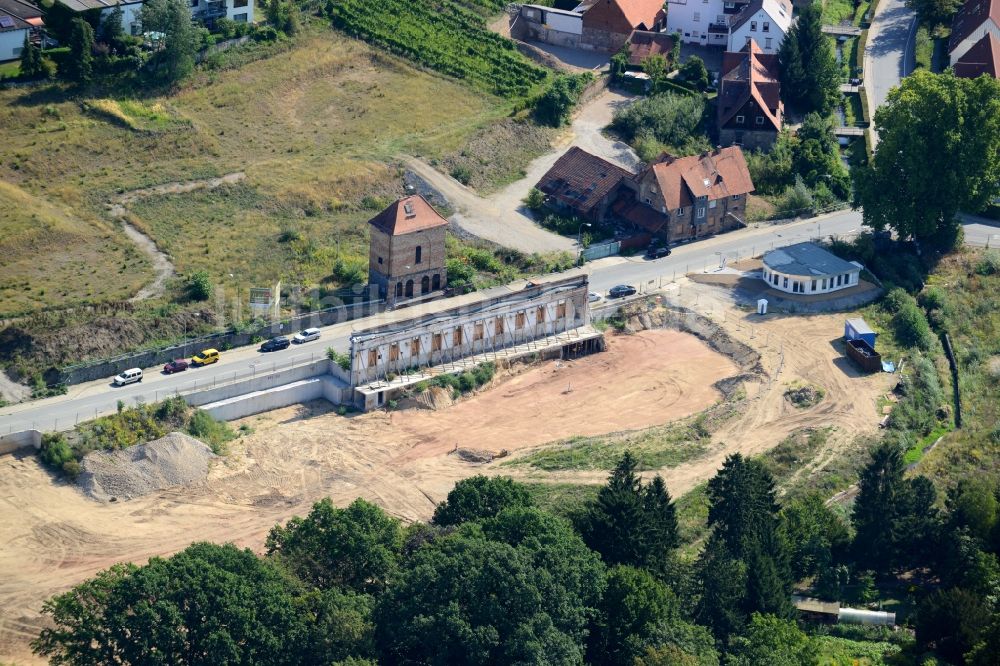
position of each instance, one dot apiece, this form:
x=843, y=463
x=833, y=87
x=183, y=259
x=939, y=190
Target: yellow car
x=205, y=357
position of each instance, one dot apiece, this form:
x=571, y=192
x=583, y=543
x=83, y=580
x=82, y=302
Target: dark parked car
x=621, y=290
x=178, y=365
x=274, y=344
x=657, y=252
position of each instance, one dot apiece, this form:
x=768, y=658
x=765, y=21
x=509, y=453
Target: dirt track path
x=162, y=266
x=501, y=217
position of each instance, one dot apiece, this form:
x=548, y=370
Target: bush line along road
x=100, y=397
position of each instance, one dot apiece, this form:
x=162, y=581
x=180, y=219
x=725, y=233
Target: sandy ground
x=53, y=537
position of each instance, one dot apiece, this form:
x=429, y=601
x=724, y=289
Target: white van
x=129, y=376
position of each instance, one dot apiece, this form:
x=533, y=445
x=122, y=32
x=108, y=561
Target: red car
x=178, y=365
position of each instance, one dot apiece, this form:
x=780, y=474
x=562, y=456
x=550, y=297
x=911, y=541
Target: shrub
x=668, y=118
x=911, y=327
x=212, y=432
x=199, y=286
x=535, y=199
x=55, y=451
x=694, y=72
x=461, y=173
x=341, y=359
x=989, y=264
x=796, y=200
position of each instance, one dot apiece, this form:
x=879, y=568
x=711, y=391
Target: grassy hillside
x=313, y=128
x=49, y=255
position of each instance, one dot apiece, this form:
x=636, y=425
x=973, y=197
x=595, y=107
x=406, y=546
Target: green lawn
x=835, y=11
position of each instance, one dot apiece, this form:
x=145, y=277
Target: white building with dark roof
x=763, y=21
x=806, y=268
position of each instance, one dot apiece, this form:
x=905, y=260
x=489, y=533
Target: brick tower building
x=406, y=259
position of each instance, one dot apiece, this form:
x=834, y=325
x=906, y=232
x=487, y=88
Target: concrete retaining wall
x=20, y=440
x=262, y=401
x=260, y=383
x=305, y=390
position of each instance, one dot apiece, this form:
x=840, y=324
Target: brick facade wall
x=399, y=272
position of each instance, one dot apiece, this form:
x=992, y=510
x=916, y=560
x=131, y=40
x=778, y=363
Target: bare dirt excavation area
x=53, y=536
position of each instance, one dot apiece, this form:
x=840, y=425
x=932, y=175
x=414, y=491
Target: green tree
x=175, y=60
x=554, y=106
x=810, y=76
x=535, y=201
x=671, y=119
x=933, y=13
x=742, y=504
x=817, y=538
x=79, y=66
x=657, y=68
x=630, y=523
x=357, y=547
x=283, y=15
x=694, y=72
x=952, y=622
x=342, y=626
x=894, y=518
x=773, y=641
x=467, y=599
x=723, y=582
x=480, y=497
x=206, y=604
x=930, y=120
x=817, y=155
x=112, y=30
x=619, y=63
x=911, y=327
x=31, y=66
x=634, y=603
x=972, y=504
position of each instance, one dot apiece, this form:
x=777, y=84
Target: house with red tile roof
x=643, y=44
x=749, y=108
x=686, y=198
x=975, y=20
x=600, y=25
x=406, y=256
x=982, y=58
x=674, y=198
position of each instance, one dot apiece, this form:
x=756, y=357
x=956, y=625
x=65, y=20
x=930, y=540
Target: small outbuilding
x=858, y=329
x=806, y=268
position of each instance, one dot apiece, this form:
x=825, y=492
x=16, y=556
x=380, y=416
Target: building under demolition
x=549, y=317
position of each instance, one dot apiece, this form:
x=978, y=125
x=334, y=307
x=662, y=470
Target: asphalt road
x=85, y=401
x=889, y=52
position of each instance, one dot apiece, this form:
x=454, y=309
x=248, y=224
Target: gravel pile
x=174, y=460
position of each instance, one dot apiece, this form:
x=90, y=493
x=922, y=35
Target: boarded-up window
x=561, y=310
x=520, y=320
x=436, y=342
x=477, y=333
x=456, y=337
x=394, y=351
x=415, y=347
x=372, y=357
x=540, y=315
x=499, y=326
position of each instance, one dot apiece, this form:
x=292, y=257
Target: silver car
x=306, y=335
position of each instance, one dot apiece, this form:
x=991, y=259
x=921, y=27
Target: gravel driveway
x=501, y=217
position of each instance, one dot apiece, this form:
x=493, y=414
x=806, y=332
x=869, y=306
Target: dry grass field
x=50, y=255
x=315, y=129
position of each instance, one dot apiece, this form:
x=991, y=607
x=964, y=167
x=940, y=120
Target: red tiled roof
x=972, y=15
x=622, y=16
x=581, y=180
x=643, y=44
x=407, y=215
x=982, y=58
x=714, y=175
x=750, y=74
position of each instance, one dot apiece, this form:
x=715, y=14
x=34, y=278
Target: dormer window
x=408, y=209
